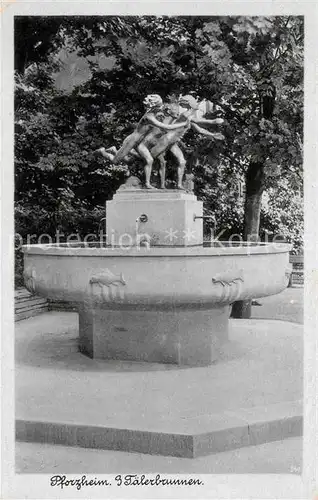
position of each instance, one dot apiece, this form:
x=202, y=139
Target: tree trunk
x=255, y=186
x=253, y=199
x=252, y=212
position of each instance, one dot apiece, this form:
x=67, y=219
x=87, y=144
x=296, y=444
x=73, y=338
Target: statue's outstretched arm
x=203, y=121
x=165, y=126
x=215, y=135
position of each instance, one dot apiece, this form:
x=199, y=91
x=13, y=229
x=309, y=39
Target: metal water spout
x=101, y=239
x=211, y=227
x=143, y=218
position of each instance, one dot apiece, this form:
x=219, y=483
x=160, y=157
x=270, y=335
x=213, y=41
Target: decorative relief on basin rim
x=229, y=285
x=111, y=285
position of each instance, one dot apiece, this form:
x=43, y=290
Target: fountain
x=154, y=292
x=154, y=304
x=157, y=303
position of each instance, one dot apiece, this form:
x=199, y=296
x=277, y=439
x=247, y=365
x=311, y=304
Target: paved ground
x=285, y=306
x=40, y=353
x=282, y=457
x=260, y=366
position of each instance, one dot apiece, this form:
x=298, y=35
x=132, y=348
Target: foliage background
x=80, y=82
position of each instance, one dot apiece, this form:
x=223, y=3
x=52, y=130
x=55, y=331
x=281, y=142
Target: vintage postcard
x=159, y=274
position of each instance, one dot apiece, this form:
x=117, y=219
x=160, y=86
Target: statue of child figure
x=153, y=104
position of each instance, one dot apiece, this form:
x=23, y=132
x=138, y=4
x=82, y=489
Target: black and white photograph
x=158, y=250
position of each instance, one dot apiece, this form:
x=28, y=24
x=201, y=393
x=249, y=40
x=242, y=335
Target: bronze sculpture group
x=159, y=130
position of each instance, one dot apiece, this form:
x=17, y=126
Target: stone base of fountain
x=167, y=216
x=182, y=337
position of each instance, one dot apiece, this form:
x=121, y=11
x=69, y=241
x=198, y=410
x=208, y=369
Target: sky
x=76, y=69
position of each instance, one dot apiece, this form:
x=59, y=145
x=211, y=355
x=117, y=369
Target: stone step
x=221, y=434
x=22, y=292
x=21, y=301
x=27, y=304
x=29, y=313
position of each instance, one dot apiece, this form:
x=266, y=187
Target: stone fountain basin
x=157, y=277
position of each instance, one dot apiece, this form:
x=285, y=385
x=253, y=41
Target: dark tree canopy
x=249, y=68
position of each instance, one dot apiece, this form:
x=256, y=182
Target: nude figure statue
x=153, y=142
x=153, y=104
x=169, y=141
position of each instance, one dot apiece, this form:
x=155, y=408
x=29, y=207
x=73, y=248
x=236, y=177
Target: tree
x=272, y=56
x=250, y=69
x=36, y=38
x=282, y=214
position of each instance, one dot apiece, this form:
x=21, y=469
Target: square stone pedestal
x=180, y=337
x=163, y=217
